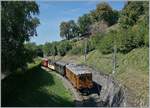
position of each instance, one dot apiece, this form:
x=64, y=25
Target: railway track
x=79, y=99
x=98, y=96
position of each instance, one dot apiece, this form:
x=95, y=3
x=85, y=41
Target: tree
x=46, y=48
x=53, y=48
x=35, y=49
x=63, y=47
x=131, y=13
x=39, y=52
x=64, y=30
x=84, y=23
x=73, y=29
x=105, y=13
x=69, y=29
x=18, y=25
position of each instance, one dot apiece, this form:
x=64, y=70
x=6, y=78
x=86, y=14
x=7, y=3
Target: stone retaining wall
x=112, y=93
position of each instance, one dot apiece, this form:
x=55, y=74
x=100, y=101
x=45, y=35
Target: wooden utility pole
x=114, y=59
x=85, y=50
x=114, y=53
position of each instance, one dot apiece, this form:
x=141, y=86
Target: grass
x=35, y=88
x=132, y=72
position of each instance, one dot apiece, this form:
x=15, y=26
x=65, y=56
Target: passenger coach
x=80, y=76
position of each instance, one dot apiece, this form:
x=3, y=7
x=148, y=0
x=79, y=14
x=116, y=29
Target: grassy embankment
x=132, y=70
x=36, y=87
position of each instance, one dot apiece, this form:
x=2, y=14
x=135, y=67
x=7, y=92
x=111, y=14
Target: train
x=80, y=76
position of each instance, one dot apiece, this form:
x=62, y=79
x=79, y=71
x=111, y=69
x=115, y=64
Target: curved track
x=96, y=98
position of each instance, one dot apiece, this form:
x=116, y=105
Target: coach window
x=88, y=77
x=82, y=78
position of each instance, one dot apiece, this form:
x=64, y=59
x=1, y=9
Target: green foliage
x=63, y=47
x=84, y=23
x=39, y=52
x=126, y=41
x=142, y=28
x=18, y=25
x=76, y=50
x=134, y=37
x=53, y=49
x=83, y=47
x=46, y=48
x=104, y=12
x=95, y=39
x=106, y=44
x=69, y=30
x=34, y=50
x=57, y=48
x=131, y=13
x=64, y=30
x=50, y=48
x=73, y=29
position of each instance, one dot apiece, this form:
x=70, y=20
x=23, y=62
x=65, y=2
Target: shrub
x=106, y=44
x=124, y=41
x=76, y=50
x=63, y=47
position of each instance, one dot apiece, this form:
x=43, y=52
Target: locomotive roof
x=79, y=69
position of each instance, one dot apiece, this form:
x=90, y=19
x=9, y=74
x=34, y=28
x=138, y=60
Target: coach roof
x=79, y=69
x=61, y=63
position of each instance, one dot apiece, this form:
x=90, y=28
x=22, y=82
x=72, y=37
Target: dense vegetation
x=18, y=25
x=131, y=31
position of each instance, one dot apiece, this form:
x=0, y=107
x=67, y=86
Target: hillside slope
x=131, y=72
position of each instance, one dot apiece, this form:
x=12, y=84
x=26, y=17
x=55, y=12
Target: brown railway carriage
x=80, y=76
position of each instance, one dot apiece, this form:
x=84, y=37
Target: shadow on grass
x=26, y=90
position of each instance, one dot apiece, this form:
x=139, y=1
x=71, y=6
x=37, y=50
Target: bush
x=76, y=50
x=95, y=39
x=106, y=44
x=125, y=41
x=63, y=47
x=142, y=28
